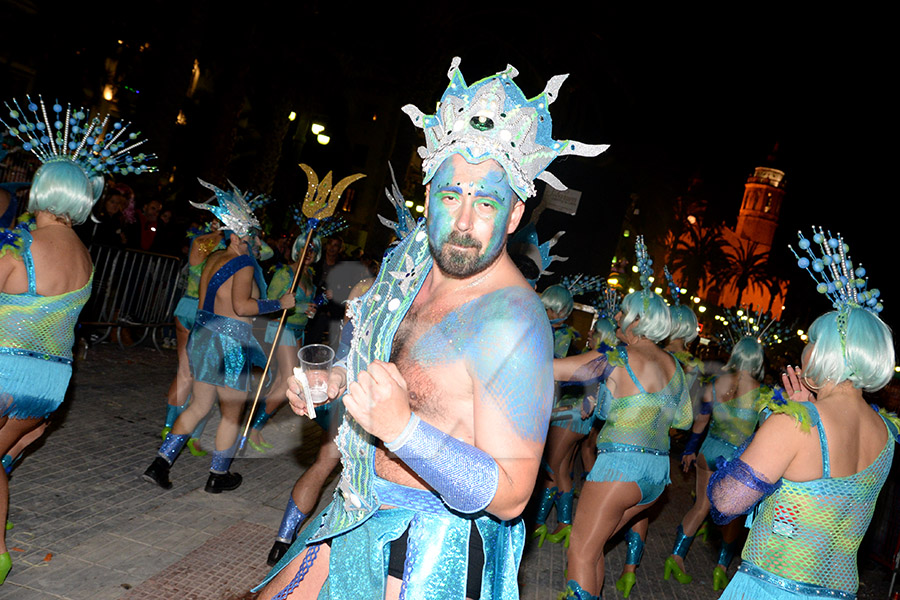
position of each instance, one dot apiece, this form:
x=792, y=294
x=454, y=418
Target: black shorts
x=473, y=571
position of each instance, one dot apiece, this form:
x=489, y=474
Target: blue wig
x=747, y=355
x=867, y=359
x=62, y=188
x=684, y=323
x=654, y=321
x=558, y=299
x=604, y=332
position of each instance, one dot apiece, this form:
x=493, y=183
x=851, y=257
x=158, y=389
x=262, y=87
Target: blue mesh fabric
x=733, y=421
x=735, y=488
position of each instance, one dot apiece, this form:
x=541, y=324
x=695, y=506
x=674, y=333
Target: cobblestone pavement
x=86, y=526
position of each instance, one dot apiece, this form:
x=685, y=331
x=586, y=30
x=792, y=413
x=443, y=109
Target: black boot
x=223, y=482
x=158, y=473
x=278, y=550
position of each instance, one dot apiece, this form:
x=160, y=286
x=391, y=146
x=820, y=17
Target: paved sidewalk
x=88, y=527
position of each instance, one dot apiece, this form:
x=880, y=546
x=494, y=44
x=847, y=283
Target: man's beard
x=462, y=263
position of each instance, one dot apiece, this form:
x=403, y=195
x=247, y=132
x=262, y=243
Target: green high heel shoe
x=540, y=532
x=626, y=582
x=5, y=566
x=166, y=431
x=720, y=579
x=703, y=530
x=562, y=535
x=672, y=568
x=191, y=444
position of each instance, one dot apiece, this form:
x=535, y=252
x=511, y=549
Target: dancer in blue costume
x=566, y=429
x=202, y=245
x=730, y=407
x=441, y=445
x=222, y=348
x=649, y=395
x=816, y=502
x=46, y=272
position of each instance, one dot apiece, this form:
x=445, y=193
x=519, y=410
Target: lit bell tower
x=761, y=206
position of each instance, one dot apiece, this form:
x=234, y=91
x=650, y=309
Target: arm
x=245, y=305
x=565, y=369
x=753, y=474
x=690, y=450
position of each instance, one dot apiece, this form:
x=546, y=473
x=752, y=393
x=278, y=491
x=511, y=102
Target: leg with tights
x=689, y=526
x=11, y=431
x=560, y=448
x=730, y=545
x=286, y=358
x=180, y=388
x=635, y=537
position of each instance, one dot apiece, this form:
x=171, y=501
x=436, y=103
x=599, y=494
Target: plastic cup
x=315, y=363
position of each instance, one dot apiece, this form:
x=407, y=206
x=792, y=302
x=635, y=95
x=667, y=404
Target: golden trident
x=320, y=202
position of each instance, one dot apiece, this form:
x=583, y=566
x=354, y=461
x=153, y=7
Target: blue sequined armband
x=735, y=488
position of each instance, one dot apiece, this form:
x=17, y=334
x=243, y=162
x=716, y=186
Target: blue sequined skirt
x=186, y=310
x=713, y=448
x=223, y=350
x=437, y=550
x=32, y=387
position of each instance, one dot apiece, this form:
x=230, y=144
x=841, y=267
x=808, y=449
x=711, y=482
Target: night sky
x=678, y=92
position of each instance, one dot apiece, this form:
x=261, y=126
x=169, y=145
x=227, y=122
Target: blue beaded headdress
x=525, y=242
x=581, y=284
x=645, y=269
x=405, y=221
x=492, y=119
x=98, y=146
x=738, y=323
x=324, y=228
x=607, y=303
x=674, y=290
x=233, y=210
x=835, y=276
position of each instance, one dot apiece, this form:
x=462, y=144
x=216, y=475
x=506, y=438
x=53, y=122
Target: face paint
x=468, y=211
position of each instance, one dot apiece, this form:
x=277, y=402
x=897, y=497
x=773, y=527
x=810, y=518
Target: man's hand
x=687, y=460
x=287, y=301
x=310, y=310
x=379, y=401
x=337, y=383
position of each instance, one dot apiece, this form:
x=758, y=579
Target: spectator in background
x=142, y=232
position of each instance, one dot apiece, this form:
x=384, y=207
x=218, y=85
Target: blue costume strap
x=29, y=261
x=466, y=477
x=735, y=488
x=631, y=374
x=815, y=420
x=221, y=276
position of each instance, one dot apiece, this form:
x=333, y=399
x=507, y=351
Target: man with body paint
x=449, y=378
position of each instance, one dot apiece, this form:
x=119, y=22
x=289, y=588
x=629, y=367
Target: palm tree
x=747, y=266
x=699, y=257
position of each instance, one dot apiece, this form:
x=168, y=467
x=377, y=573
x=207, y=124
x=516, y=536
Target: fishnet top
x=807, y=531
x=193, y=280
x=734, y=421
x=644, y=419
x=35, y=325
x=281, y=285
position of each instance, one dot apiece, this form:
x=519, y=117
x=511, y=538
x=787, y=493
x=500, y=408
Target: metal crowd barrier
x=132, y=290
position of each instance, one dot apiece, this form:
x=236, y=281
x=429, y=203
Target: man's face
x=471, y=209
x=333, y=248
x=151, y=209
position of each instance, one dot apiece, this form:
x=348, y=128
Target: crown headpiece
x=738, y=323
x=674, y=290
x=405, y=221
x=98, y=146
x=233, y=210
x=492, y=118
x=526, y=242
x=645, y=269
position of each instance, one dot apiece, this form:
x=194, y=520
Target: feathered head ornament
x=737, y=323
x=405, y=221
x=525, y=242
x=233, y=209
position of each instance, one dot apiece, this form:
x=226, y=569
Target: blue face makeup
x=468, y=211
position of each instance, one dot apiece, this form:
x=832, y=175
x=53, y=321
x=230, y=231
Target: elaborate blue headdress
x=607, y=303
x=525, y=242
x=98, y=146
x=324, y=228
x=405, y=221
x=645, y=268
x=492, y=118
x=835, y=276
x=581, y=284
x=674, y=290
x=737, y=323
x=233, y=210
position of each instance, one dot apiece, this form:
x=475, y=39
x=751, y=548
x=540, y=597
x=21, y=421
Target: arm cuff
x=267, y=306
